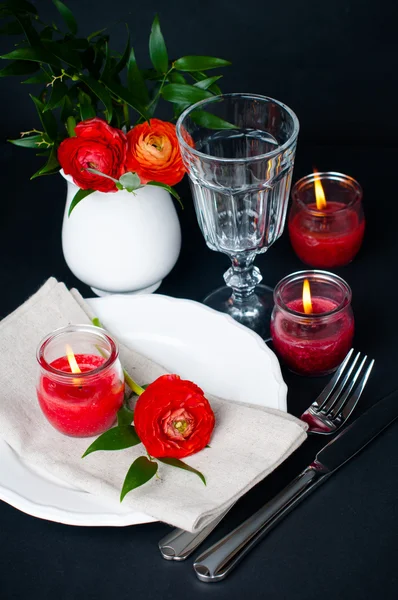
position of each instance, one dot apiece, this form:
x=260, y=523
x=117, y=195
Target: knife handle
x=215, y=563
x=179, y=544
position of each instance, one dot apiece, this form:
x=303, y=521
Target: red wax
x=330, y=241
x=84, y=409
x=308, y=347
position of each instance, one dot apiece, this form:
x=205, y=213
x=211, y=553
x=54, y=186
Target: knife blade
x=215, y=563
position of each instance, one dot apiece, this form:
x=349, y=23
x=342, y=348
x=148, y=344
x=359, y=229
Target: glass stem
x=242, y=276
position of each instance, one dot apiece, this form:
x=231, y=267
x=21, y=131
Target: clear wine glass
x=239, y=151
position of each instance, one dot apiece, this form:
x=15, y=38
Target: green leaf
x=31, y=141
x=77, y=44
x=206, y=119
x=169, y=189
x=100, y=92
x=20, y=6
x=67, y=109
x=67, y=16
x=179, y=109
x=47, y=119
x=46, y=34
x=107, y=65
x=199, y=63
x=87, y=110
x=157, y=48
x=58, y=92
x=176, y=77
x=30, y=32
x=11, y=28
x=125, y=416
x=71, y=126
x=78, y=197
x=117, y=438
x=135, y=80
x=125, y=95
x=152, y=75
x=179, y=93
x=130, y=181
x=52, y=165
x=19, y=67
x=124, y=58
x=95, y=33
x=66, y=53
x=199, y=76
x=42, y=77
x=141, y=471
x=205, y=84
x=34, y=54
x=175, y=462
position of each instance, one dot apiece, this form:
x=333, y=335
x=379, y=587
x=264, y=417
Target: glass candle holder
x=80, y=386
x=332, y=236
x=312, y=343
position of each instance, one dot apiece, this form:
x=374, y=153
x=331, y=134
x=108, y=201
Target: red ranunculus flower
x=172, y=418
x=153, y=152
x=99, y=146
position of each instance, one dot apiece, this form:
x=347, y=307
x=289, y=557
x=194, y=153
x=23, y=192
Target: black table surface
x=342, y=541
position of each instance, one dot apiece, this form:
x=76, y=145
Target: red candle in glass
x=312, y=326
x=80, y=393
x=326, y=221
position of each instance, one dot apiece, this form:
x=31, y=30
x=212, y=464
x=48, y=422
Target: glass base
x=254, y=312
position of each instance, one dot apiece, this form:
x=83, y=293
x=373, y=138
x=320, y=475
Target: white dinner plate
x=221, y=356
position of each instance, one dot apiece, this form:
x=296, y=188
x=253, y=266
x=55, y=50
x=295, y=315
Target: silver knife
x=215, y=563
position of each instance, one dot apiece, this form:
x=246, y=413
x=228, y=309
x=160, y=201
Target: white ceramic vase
x=121, y=242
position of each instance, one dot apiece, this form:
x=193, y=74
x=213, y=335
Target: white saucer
x=187, y=338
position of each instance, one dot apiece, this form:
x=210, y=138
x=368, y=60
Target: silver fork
x=334, y=405
x=326, y=415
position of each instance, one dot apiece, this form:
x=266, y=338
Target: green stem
x=156, y=97
x=137, y=389
x=126, y=116
x=134, y=387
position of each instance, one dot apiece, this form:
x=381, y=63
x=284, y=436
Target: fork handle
x=215, y=563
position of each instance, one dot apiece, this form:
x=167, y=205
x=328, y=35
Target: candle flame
x=307, y=302
x=320, y=198
x=72, y=360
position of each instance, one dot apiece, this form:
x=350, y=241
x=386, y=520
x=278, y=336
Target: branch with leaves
x=82, y=77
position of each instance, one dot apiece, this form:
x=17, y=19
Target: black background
x=335, y=64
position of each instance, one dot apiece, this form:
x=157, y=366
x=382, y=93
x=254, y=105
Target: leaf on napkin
x=175, y=462
x=118, y=438
x=125, y=416
x=141, y=471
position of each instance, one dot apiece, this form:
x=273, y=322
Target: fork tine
x=352, y=402
x=328, y=389
x=336, y=395
x=342, y=400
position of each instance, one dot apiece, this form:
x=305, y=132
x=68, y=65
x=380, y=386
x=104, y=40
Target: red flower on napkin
x=172, y=418
x=98, y=146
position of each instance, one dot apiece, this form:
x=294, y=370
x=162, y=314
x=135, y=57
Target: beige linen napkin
x=248, y=442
